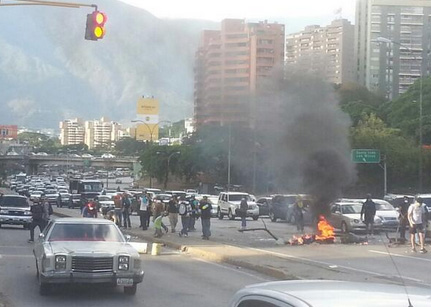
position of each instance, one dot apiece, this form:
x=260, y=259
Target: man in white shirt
x=415, y=217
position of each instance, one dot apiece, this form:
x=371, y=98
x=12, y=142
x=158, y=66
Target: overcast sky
x=216, y=10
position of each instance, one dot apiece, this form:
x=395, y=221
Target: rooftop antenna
x=338, y=13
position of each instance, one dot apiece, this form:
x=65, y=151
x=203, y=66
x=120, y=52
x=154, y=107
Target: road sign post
x=371, y=156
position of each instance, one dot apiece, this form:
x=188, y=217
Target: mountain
x=48, y=72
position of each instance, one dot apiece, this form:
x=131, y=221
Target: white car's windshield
x=351, y=209
x=85, y=232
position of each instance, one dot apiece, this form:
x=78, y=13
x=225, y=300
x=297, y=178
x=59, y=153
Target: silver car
x=329, y=293
x=77, y=250
x=347, y=217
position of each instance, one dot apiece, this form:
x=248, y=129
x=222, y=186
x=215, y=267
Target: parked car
x=87, y=251
x=263, y=203
x=385, y=211
x=282, y=206
x=329, y=293
x=347, y=217
x=165, y=198
x=228, y=203
x=15, y=210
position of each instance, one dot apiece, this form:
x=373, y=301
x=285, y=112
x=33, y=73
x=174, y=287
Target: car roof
x=343, y=203
x=73, y=220
x=235, y=193
x=14, y=196
x=329, y=293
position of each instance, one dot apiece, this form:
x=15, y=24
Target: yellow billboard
x=147, y=111
x=147, y=132
x=147, y=106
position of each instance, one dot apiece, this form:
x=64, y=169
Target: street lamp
x=167, y=165
x=389, y=41
x=151, y=130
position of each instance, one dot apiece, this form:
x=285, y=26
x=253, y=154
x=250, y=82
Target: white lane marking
x=231, y=269
x=331, y=264
x=398, y=255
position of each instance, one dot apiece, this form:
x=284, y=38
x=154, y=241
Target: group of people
x=413, y=214
x=188, y=209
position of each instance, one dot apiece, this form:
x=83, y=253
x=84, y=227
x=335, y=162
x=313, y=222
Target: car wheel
x=130, y=290
x=272, y=217
x=344, y=228
x=219, y=214
x=230, y=215
x=255, y=217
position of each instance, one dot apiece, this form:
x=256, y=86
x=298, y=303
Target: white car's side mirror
x=41, y=236
x=128, y=238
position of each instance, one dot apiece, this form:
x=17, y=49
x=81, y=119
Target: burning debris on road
x=325, y=234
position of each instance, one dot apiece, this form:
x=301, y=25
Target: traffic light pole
x=48, y=3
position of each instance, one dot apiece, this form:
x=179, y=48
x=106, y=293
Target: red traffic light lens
x=99, y=18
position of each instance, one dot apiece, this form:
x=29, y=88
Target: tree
x=357, y=100
x=129, y=147
x=400, y=153
x=403, y=112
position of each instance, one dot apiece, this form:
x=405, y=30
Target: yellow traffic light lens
x=100, y=18
x=98, y=32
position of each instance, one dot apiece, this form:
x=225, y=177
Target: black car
x=75, y=201
x=278, y=208
x=263, y=203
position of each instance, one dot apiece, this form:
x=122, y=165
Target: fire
x=326, y=231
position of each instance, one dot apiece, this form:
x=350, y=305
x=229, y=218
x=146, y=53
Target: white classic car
x=77, y=250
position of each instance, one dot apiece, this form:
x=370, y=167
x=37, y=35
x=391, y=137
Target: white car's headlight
x=123, y=263
x=60, y=262
x=377, y=220
x=3, y=212
x=27, y=213
x=355, y=221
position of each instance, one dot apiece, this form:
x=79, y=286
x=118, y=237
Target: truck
x=89, y=189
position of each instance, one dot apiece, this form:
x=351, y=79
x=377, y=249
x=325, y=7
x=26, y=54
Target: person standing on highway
x=173, y=213
x=243, y=207
x=368, y=212
x=126, y=210
x=144, y=211
x=90, y=210
x=205, y=210
x=118, y=209
x=185, y=211
x=404, y=221
x=298, y=213
x=416, y=217
x=195, y=210
x=38, y=215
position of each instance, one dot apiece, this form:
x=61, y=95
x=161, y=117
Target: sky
x=246, y=9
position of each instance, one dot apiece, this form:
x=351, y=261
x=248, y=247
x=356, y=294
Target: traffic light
x=95, y=26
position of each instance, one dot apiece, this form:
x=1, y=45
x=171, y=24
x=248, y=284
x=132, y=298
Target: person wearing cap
x=415, y=216
x=368, y=212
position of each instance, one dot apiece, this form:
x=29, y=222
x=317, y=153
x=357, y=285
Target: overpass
x=31, y=163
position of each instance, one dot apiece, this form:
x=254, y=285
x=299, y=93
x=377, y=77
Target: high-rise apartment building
x=229, y=67
x=326, y=50
x=95, y=133
x=393, y=40
x=72, y=131
x=101, y=133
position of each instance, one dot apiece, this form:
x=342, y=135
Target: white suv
x=228, y=202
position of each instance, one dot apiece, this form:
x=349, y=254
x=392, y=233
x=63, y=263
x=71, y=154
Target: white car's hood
x=239, y=202
x=353, y=216
x=90, y=248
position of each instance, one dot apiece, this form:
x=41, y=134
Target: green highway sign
x=365, y=156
